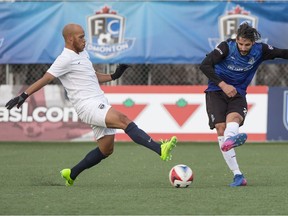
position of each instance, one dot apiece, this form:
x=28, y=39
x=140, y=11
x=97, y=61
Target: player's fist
x=19, y=100
x=119, y=71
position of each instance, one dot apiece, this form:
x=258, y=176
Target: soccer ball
x=181, y=176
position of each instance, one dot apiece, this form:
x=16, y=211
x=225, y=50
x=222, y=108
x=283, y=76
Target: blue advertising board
x=177, y=32
x=277, y=125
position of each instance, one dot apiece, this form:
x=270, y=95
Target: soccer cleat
x=166, y=148
x=65, y=173
x=234, y=141
x=239, y=180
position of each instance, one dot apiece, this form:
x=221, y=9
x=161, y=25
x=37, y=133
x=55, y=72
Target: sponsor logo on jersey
x=106, y=30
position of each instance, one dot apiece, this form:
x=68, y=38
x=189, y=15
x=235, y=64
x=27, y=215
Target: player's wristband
x=24, y=95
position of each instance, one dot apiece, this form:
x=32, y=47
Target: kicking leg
x=116, y=119
x=104, y=149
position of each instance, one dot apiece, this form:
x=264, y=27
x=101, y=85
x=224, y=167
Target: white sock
x=232, y=129
x=230, y=157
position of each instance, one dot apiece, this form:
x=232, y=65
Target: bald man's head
x=74, y=37
x=70, y=30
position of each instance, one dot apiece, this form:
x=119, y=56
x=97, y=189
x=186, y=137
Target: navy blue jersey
x=225, y=63
x=238, y=70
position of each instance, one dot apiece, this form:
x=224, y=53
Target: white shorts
x=94, y=114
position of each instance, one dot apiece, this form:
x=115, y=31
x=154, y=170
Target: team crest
x=285, y=109
x=106, y=34
x=251, y=61
x=229, y=23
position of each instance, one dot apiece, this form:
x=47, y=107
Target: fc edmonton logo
x=229, y=23
x=106, y=34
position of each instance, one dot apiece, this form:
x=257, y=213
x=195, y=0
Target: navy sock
x=142, y=138
x=91, y=159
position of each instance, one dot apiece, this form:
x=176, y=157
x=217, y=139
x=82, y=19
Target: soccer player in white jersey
x=81, y=82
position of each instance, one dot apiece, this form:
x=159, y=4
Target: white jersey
x=77, y=75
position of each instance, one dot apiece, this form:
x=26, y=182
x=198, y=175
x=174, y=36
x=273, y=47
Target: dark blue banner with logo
x=132, y=31
x=277, y=114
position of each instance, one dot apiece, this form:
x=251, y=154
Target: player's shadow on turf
x=47, y=184
x=44, y=182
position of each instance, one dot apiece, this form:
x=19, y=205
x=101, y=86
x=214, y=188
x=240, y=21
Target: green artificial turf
x=134, y=181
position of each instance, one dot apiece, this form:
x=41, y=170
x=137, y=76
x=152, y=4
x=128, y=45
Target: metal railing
x=146, y=74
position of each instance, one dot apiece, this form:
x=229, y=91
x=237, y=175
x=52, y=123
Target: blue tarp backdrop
x=133, y=31
x=277, y=126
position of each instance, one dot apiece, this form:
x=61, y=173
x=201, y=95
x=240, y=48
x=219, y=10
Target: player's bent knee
x=124, y=120
x=107, y=151
x=220, y=128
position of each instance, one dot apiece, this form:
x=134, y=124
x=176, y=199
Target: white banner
x=162, y=111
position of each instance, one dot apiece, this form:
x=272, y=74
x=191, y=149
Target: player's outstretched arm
x=19, y=100
x=121, y=68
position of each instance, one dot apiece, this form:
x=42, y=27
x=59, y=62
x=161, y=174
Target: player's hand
x=229, y=90
x=19, y=100
x=119, y=71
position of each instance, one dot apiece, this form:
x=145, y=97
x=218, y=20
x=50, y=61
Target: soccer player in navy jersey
x=230, y=67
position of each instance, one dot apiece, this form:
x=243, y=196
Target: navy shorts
x=219, y=105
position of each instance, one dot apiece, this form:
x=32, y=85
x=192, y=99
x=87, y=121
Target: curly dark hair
x=247, y=31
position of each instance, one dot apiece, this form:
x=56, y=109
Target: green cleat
x=166, y=148
x=65, y=173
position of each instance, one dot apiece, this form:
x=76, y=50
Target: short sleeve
x=60, y=66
